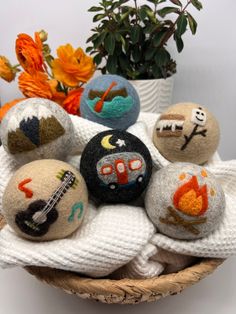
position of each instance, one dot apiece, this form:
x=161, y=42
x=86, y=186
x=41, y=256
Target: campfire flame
x=191, y=199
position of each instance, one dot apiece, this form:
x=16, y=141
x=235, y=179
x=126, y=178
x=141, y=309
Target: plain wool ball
x=45, y=200
x=110, y=100
x=35, y=129
x=187, y=132
x=185, y=201
x=116, y=166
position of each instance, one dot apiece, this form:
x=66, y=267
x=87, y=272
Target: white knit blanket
x=117, y=235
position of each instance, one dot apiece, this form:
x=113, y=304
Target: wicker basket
x=125, y=291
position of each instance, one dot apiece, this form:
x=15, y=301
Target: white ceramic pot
x=155, y=95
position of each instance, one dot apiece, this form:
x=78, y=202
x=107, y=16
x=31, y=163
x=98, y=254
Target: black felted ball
x=116, y=166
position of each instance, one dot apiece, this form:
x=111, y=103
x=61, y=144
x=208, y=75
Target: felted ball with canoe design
x=45, y=200
x=37, y=128
x=187, y=132
x=185, y=201
x=116, y=166
x=110, y=100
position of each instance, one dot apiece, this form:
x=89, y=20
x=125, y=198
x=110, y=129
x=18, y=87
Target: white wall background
x=206, y=74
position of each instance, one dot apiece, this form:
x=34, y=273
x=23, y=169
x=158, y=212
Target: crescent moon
x=105, y=142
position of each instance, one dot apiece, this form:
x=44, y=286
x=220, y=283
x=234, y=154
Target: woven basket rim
x=124, y=291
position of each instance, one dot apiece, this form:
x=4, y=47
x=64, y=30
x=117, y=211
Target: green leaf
x=176, y=2
x=136, y=54
x=95, y=9
x=192, y=23
x=98, y=17
x=124, y=62
x=162, y=57
x=156, y=71
x=109, y=43
x=149, y=53
x=99, y=40
x=197, y=4
x=97, y=59
x=135, y=34
x=88, y=49
x=158, y=38
x=112, y=64
x=142, y=14
x=179, y=43
x=167, y=10
x=181, y=25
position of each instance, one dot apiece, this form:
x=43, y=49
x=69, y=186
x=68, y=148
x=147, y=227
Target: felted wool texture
x=121, y=106
x=37, y=128
x=108, y=151
x=41, y=179
x=109, y=238
x=187, y=132
x=185, y=201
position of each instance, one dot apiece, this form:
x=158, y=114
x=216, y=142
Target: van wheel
x=139, y=179
x=113, y=186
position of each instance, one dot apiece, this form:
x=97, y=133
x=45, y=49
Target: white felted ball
x=185, y=201
x=37, y=128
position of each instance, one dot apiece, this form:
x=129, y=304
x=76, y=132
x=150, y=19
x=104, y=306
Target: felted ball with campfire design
x=36, y=129
x=116, y=166
x=45, y=200
x=187, y=132
x=112, y=101
x=185, y=201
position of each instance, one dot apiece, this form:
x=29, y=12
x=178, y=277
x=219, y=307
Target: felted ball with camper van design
x=116, y=166
x=187, y=132
x=45, y=200
x=185, y=201
x=112, y=101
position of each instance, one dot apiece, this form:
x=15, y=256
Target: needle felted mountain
x=112, y=101
x=187, y=132
x=185, y=201
x=116, y=166
x=45, y=200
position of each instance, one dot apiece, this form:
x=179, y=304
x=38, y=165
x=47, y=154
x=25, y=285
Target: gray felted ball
x=45, y=200
x=187, y=132
x=110, y=100
x=37, y=128
x=116, y=166
x=185, y=201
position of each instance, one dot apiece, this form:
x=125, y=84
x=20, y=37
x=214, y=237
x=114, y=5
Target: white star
x=120, y=143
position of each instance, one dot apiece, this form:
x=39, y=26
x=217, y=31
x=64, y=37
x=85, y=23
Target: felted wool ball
x=45, y=200
x=185, y=201
x=116, y=166
x=110, y=100
x=187, y=132
x=37, y=128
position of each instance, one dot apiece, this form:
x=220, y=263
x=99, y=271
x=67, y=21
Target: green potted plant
x=132, y=41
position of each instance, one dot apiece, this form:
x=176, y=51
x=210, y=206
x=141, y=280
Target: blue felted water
x=119, y=102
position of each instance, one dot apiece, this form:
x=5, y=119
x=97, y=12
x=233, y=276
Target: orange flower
x=29, y=52
x=58, y=97
x=7, y=72
x=72, y=66
x=35, y=85
x=5, y=108
x=72, y=101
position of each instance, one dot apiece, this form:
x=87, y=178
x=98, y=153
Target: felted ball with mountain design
x=37, y=128
x=185, y=201
x=112, y=101
x=187, y=132
x=45, y=200
x=116, y=166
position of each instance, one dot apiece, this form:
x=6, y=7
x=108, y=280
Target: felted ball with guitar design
x=187, y=132
x=45, y=200
x=185, y=201
x=37, y=128
x=112, y=101
x=116, y=166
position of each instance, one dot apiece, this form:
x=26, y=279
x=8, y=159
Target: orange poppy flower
x=29, y=52
x=6, y=70
x=72, y=101
x=72, y=66
x=35, y=85
x=5, y=108
x=58, y=97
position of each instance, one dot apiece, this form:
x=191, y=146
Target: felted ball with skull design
x=116, y=166
x=45, y=200
x=185, y=201
x=187, y=132
x=110, y=100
